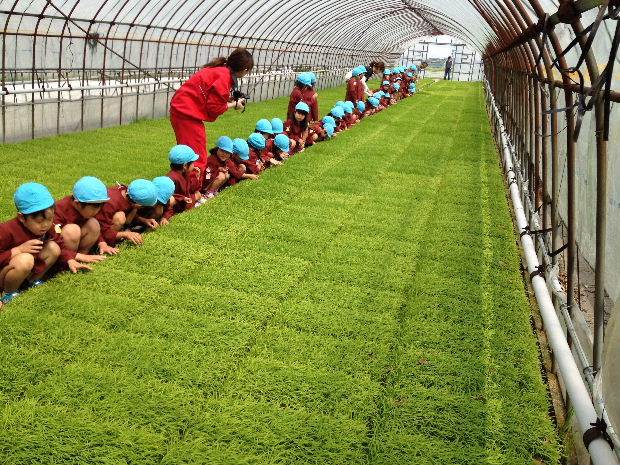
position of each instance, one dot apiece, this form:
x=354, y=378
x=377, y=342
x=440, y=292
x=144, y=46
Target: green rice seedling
x=361, y=304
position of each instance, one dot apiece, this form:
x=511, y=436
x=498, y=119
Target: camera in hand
x=238, y=95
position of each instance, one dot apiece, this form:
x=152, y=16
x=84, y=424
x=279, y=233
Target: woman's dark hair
x=378, y=64
x=239, y=60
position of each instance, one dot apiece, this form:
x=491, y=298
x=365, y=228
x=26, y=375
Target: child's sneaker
x=209, y=195
x=36, y=283
x=6, y=298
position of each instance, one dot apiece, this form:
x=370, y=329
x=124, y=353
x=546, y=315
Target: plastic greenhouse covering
x=552, y=67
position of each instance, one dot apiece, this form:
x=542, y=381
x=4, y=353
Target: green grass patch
x=360, y=305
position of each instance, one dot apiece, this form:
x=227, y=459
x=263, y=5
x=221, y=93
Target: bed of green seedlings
x=360, y=305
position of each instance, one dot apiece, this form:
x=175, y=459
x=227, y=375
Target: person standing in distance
x=448, y=73
x=204, y=97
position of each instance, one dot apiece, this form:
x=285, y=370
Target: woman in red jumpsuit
x=205, y=96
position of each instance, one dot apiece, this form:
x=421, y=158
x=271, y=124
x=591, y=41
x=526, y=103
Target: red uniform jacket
x=185, y=186
x=294, y=130
x=353, y=86
x=296, y=96
x=317, y=128
x=13, y=233
x=117, y=203
x=307, y=95
x=66, y=213
x=312, y=99
x=267, y=153
x=214, y=167
x=235, y=170
x=205, y=95
x=254, y=163
x=348, y=119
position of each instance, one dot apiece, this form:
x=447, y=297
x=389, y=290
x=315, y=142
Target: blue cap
x=337, y=112
x=361, y=106
x=143, y=192
x=387, y=72
x=414, y=67
x=256, y=140
x=385, y=83
x=396, y=86
x=242, y=149
x=182, y=154
x=329, y=120
x=165, y=188
x=277, y=125
x=302, y=106
x=374, y=101
x=329, y=129
x=409, y=74
x=358, y=70
x=348, y=109
x=225, y=143
x=32, y=197
x=349, y=104
x=378, y=95
x=90, y=189
x=312, y=78
x=282, y=142
x=304, y=79
x=340, y=103
x=264, y=125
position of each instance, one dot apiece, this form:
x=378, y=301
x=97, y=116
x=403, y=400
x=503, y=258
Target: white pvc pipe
x=600, y=451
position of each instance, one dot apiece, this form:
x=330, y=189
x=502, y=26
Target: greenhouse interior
x=320, y=232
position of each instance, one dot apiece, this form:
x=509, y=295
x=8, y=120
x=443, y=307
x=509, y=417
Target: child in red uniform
x=236, y=163
x=312, y=98
x=259, y=157
x=264, y=128
x=121, y=210
x=360, y=110
x=385, y=87
x=29, y=244
x=277, y=126
x=162, y=211
x=302, y=92
x=354, y=84
x=281, y=147
x=349, y=118
x=204, y=97
x=217, y=166
x=185, y=177
x=316, y=133
x=297, y=127
x=374, y=104
x=338, y=114
x=75, y=215
x=386, y=99
x=397, y=93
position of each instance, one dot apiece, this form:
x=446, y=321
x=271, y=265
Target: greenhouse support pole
x=585, y=414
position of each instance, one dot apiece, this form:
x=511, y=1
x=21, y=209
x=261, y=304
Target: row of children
x=47, y=236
